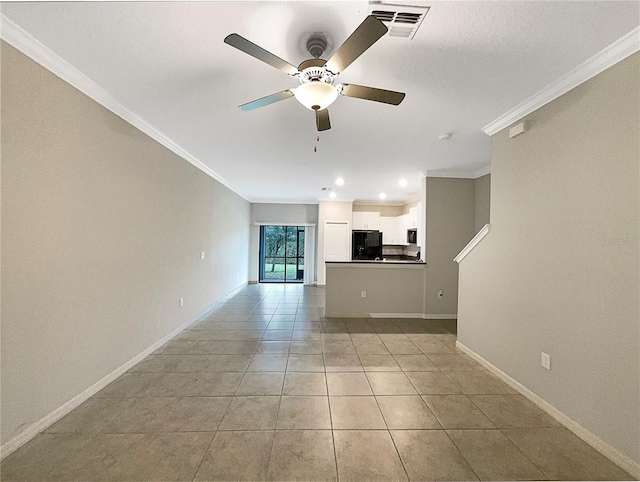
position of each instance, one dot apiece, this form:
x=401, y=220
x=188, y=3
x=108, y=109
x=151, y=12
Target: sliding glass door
x=281, y=254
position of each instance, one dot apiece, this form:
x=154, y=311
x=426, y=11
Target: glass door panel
x=282, y=254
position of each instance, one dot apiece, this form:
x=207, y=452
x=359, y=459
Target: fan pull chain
x=315, y=148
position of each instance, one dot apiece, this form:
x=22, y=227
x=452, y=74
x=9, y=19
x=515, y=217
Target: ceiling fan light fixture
x=316, y=95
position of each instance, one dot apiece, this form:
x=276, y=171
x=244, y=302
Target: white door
x=336, y=242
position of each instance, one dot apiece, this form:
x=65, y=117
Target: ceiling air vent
x=401, y=20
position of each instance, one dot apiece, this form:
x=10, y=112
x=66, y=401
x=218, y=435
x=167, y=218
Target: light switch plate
x=545, y=361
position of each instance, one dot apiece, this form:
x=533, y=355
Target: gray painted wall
x=450, y=221
x=483, y=201
x=390, y=288
x=277, y=214
x=102, y=230
x=559, y=271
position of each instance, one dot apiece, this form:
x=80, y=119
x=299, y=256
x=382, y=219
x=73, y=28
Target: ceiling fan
x=316, y=76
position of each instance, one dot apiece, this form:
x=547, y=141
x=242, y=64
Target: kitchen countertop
x=371, y=261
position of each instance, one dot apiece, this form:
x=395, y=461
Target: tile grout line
x=387, y=425
x=519, y=450
x=507, y=437
x=204, y=456
x=333, y=436
x=446, y=431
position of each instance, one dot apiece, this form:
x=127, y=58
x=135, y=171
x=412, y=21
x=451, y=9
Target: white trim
x=428, y=316
x=611, y=55
x=45, y=422
x=395, y=315
x=473, y=243
x=33, y=48
x=420, y=316
x=395, y=204
x=288, y=201
x=589, y=437
x=459, y=173
x=483, y=171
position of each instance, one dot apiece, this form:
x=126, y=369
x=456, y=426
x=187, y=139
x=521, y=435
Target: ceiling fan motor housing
x=317, y=44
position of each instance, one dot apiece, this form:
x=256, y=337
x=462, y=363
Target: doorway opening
x=281, y=254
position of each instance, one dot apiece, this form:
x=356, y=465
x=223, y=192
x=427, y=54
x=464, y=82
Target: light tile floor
x=264, y=387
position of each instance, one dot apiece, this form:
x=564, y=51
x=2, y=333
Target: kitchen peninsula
x=391, y=289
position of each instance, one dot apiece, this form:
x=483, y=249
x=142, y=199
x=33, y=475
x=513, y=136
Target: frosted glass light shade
x=316, y=95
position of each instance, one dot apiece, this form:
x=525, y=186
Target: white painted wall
x=276, y=214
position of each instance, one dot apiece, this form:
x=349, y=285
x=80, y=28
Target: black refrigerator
x=367, y=245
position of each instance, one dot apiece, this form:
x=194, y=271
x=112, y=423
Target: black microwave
x=412, y=236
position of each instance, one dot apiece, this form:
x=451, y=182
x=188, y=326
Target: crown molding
x=14, y=35
x=459, y=173
x=287, y=201
x=363, y=202
x=609, y=56
x=483, y=171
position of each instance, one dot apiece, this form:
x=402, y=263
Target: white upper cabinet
x=420, y=226
x=413, y=217
x=403, y=225
x=388, y=228
x=393, y=228
x=366, y=220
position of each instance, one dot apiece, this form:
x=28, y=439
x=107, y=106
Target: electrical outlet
x=440, y=294
x=201, y=254
x=546, y=361
x=363, y=294
x=180, y=302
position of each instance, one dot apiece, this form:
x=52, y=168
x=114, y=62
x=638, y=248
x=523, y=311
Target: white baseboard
x=589, y=437
x=45, y=422
x=440, y=317
x=396, y=315
x=420, y=316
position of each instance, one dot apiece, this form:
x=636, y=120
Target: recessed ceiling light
x=339, y=181
x=332, y=194
x=403, y=182
x=383, y=195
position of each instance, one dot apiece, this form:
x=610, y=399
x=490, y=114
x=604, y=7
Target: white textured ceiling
x=469, y=63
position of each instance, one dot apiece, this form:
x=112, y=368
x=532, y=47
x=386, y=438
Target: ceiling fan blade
x=270, y=99
x=322, y=120
x=368, y=33
x=259, y=53
x=371, y=93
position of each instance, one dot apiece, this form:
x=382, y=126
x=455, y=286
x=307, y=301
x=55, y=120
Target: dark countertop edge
x=370, y=261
